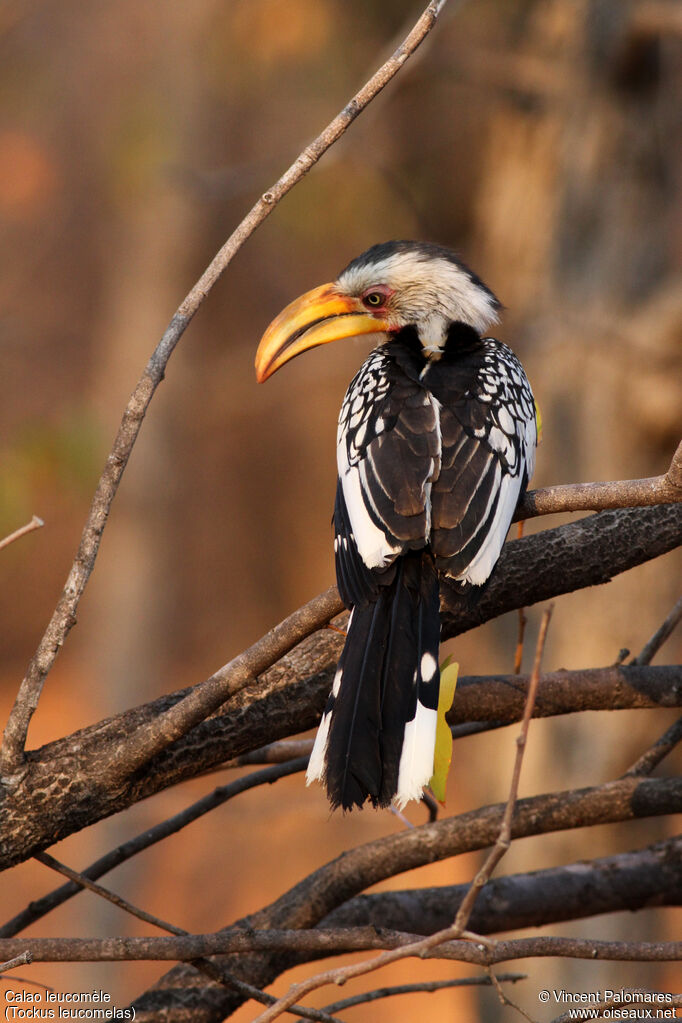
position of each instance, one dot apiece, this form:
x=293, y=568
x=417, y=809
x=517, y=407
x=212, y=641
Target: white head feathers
x=429, y=288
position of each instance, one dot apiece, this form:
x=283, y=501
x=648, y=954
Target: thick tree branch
x=206, y=698
x=487, y=698
x=583, y=553
x=60, y=794
x=619, y=687
x=64, y=616
x=319, y=943
x=624, y=882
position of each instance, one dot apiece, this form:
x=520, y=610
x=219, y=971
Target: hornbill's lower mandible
x=436, y=443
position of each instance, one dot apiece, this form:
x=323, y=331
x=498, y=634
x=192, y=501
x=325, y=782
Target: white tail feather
x=416, y=758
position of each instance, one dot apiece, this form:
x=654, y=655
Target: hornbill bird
x=436, y=443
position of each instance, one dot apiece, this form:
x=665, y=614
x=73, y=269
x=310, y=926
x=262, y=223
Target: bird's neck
x=409, y=348
x=406, y=348
x=461, y=337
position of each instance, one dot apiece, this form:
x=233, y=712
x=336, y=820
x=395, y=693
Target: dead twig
x=12, y=755
x=23, y=959
x=664, y=745
x=202, y=700
x=503, y=997
x=661, y=634
x=35, y=523
x=425, y=986
x=523, y=620
x=504, y=838
x=249, y=991
x=105, y=893
x=569, y=497
x=518, y=656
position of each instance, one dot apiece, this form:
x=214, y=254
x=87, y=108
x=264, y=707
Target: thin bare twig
x=518, y=656
x=504, y=837
x=18, y=979
x=503, y=997
x=601, y=496
x=12, y=755
x=425, y=945
x=664, y=745
x=23, y=959
x=425, y=986
x=523, y=620
x=431, y=804
x=255, y=993
x=40, y=907
x=105, y=893
x=666, y=629
x=35, y=523
x=211, y=969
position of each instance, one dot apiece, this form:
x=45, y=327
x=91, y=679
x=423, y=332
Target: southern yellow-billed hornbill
x=436, y=443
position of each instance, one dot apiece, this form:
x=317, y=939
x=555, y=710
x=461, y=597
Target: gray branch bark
x=628, y=881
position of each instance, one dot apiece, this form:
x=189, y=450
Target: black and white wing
x=489, y=435
x=388, y=455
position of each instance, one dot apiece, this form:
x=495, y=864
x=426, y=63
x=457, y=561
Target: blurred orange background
x=537, y=139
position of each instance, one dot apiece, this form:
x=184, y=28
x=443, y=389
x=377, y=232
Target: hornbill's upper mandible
x=435, y=445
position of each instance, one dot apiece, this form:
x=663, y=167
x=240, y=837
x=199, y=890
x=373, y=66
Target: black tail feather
x=388, y=668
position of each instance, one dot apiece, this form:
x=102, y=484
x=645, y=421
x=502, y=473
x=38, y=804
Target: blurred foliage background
x=539, y=138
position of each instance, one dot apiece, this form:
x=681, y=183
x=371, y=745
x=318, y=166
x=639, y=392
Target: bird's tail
x=377, y=734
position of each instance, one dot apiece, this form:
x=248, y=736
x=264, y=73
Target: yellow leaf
x=443, y=751
x=538, y=421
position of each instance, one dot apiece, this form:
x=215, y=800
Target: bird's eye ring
x=373, y=299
